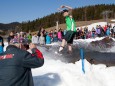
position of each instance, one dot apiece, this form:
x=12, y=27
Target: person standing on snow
x=71, y=28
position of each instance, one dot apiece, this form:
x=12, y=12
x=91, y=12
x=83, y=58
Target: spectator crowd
x=43, y=37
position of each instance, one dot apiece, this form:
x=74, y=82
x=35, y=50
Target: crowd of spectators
x=43, y=37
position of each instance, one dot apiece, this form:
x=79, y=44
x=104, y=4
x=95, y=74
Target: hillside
x=10, y=26
x=79, y=23
x=87, y=13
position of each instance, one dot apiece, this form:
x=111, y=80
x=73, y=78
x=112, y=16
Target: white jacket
x=35, y=39
x=42, y=40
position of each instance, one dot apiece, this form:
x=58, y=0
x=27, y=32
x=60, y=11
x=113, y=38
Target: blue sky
x=24, y=10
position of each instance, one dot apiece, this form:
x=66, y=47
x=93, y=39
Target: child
x=55, y=38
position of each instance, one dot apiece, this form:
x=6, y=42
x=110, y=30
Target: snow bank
x=113, y=20
x=57, y=73
x=94, y=25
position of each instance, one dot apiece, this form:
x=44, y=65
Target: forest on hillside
x=87, y=13
x=93, y=12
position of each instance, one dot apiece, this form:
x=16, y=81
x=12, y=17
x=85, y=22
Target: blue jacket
x=48, y=39
x=55, y=39
x=1, y=49
x=108, y=31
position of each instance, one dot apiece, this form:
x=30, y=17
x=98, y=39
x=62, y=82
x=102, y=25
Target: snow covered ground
x=57, y=73
x=98, y=23
x=94, y=25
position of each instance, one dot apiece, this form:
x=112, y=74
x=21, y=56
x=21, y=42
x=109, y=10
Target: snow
x=89, y=40
x=94, y=25
x=113, y=20
x=57, y=73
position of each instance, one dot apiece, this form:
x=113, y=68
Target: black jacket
x=16, y=64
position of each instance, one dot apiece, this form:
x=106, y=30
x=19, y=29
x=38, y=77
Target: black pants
x=69, y=36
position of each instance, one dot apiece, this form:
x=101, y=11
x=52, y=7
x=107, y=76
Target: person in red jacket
x=16, y=64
